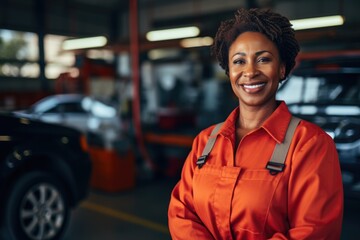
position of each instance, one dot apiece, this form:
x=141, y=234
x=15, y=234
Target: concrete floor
x=141, y=213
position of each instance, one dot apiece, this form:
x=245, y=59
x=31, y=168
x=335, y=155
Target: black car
x=326, y=91
x=44, y=172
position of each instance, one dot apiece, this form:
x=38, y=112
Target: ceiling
x=78, y=18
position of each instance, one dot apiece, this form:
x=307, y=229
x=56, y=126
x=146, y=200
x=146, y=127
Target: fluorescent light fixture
x=173, y=33
x=163, y=53
x=80, y=43
x=318, y=22
x=196, y=42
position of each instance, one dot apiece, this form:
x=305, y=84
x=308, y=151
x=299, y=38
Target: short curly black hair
x=275, y=26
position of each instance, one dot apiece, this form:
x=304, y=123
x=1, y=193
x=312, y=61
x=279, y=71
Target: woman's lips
x=253, y=88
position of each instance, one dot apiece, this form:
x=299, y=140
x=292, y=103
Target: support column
x=135, y=66
x=40, y=26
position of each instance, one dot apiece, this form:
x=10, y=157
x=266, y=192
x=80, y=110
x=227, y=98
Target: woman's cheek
x=234, y=74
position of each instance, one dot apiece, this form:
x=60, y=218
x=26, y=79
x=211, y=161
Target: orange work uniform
x=233, y=196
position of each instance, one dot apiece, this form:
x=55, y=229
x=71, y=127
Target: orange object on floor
x=112, y=171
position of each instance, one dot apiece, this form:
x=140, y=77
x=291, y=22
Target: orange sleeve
x=315, y=201
x=182, y=218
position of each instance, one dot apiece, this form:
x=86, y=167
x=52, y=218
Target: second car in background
x=326, y=90
x=84, y=113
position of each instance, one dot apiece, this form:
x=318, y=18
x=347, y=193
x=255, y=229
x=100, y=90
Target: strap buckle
x=201, y=161
x=275, y=167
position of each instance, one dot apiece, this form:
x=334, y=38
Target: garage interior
x=164, y=90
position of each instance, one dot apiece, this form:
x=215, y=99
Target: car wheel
x=36, y=208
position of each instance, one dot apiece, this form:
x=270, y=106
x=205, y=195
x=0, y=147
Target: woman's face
x=255, y=69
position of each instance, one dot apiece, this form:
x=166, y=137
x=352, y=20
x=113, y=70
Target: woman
x=232, y=195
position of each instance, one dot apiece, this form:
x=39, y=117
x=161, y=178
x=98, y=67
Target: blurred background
x=137, y=79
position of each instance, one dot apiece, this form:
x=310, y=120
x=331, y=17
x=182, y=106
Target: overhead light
x=318, y=22
x=80, y=43
x=196, y=42
x=156, y=54
x=103, y=54
x=173, y=33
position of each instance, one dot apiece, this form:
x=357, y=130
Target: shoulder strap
x=277, y=160
x=209, y=145
x=276, y=163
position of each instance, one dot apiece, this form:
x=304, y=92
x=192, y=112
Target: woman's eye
x=264, y=60
x=239, y=61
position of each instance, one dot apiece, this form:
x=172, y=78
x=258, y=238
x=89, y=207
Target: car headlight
x=348, y=131
x=347, y=139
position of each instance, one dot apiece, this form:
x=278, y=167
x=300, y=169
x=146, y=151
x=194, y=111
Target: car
x=85, y=113
x=45, y=172
x=325, y=89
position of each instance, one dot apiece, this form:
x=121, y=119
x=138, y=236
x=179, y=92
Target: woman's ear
x=282, y=71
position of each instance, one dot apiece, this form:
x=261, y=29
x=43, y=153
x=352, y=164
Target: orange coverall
x=233, y=196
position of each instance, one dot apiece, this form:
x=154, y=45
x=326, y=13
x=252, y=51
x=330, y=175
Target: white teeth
x=254, y=86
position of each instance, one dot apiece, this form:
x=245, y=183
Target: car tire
x=36, y=209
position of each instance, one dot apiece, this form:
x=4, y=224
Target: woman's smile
x=253, y=88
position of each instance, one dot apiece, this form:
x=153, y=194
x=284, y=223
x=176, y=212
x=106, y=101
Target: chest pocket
x=252, y=198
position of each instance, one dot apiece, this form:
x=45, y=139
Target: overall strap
x=276, y=163
x=209, y=145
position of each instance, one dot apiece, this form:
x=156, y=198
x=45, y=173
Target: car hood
x=15, y=124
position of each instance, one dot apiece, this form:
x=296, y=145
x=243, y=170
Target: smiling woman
x=237, y=191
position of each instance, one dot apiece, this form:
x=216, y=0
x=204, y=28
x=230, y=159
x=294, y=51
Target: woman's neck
x=251, y=118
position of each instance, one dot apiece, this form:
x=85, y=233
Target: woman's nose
x=250, y=71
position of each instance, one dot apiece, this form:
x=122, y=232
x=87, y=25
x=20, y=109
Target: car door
x=50, y=115
x=74, y=115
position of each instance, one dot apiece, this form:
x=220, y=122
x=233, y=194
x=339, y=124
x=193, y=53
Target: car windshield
x=322, y=88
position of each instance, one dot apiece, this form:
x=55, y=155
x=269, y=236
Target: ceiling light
x=80, y=43
x=173, y=33
x=163, y=53
x=196, y=42
x=318, y=22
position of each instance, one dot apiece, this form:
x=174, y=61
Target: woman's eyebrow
x=261, y=52
x=239, y=53
x=243, y=54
